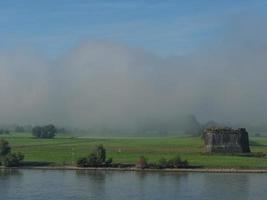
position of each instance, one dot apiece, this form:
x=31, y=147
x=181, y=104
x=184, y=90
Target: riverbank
x=66, y=151
x=199, y=170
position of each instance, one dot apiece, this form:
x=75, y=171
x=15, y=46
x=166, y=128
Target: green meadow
x=65, y=150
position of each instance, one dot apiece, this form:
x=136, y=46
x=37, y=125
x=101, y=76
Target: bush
x=109, y=161
x=175, y=162
x=95, y=159
x=13, y=159
x=162, y=163
x=82, y=162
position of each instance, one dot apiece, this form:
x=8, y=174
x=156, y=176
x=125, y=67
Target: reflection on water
x=9, y=173
x=101, y=185
x=234, y=184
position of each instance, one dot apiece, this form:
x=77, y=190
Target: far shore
x=199, y=170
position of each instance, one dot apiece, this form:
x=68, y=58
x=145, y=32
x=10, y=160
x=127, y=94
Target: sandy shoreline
x=199, y=170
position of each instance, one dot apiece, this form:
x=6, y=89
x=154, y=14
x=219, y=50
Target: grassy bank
x=65, y=150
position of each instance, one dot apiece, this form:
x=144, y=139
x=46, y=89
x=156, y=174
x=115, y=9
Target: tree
x=6, y=157
x=100, y=153
x=48, y=131
x=4, y=148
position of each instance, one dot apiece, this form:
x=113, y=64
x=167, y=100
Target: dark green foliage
x=100, y=153
x=96, y=159
x=48, y=131
x=7, y=158
x=109, y=161
x=163, y=163
x=93, y=160
x=13, y=159
x=4, y=148
x=177, y=162
x=82, y=162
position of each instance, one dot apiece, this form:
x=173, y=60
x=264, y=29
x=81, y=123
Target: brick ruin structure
x=226, y=140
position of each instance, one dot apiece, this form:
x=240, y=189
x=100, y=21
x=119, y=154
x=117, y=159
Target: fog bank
x=111, y=85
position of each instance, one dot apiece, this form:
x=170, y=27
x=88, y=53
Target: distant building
x=226, y=140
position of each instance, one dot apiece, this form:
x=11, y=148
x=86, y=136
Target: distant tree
x=48, y=131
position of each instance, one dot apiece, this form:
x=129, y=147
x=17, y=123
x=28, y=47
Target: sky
x=168, y=27
x=131, y=64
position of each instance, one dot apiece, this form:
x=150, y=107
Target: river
x=107, y=185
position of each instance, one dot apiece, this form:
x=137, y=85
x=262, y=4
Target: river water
x=101, y=185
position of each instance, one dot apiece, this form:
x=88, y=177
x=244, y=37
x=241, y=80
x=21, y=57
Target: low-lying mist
x=107, y=85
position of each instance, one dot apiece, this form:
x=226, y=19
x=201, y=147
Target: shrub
x=177, y=162
x=174, y=162
x=162, y=163
x=109, y=161
x=95, y=159
x=13, y=159
x=82, y=162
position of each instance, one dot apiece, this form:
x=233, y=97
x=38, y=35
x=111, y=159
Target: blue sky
x=165, y=27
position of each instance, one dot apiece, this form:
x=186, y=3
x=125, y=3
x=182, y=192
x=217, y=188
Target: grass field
x=66, y=150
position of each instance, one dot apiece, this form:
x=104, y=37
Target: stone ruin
x=226, y=140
